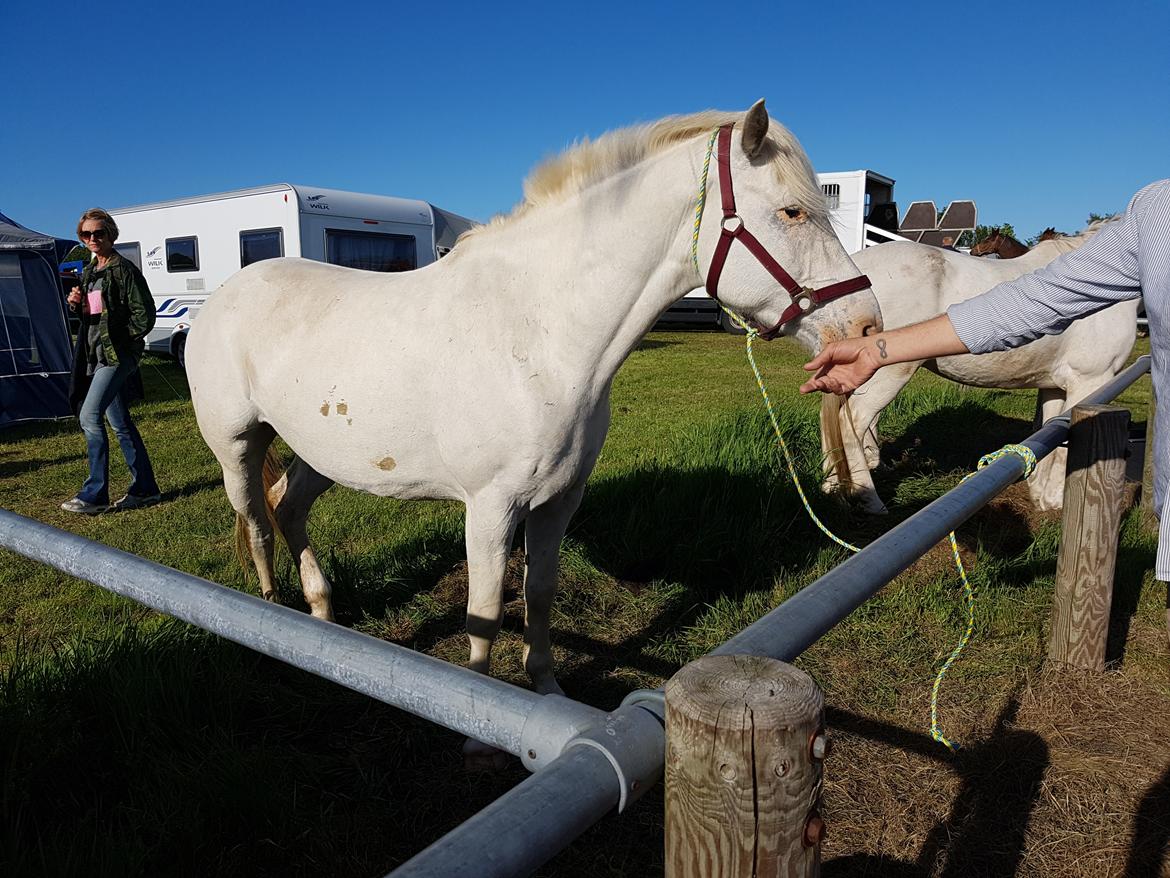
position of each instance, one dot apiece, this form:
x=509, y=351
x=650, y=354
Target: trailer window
x=182, y=254
x=258, y=244
x=370, y=251
x=130, y=250
x=832, y=194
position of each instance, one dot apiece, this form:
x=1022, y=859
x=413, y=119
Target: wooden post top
x=745, y=745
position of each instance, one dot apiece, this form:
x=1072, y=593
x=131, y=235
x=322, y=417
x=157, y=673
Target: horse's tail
x=271, y=474
x=834, y=443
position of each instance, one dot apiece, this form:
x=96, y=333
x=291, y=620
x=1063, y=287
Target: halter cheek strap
x=804, y=299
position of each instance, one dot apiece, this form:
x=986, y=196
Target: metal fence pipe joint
x=550, y=726
x=632, y=739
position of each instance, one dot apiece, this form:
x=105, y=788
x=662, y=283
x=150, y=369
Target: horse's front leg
x=490, y=525
x=543, y=532
x=859, y=417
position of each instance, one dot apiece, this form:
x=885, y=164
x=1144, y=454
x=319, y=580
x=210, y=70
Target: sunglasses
x=96, y=234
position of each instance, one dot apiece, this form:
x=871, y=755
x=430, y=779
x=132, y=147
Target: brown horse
x=1002, y=245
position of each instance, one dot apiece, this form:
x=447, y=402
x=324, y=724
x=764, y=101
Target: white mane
x=590, y=161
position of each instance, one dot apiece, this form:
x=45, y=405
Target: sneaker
x=132, y=501
x=76, y=504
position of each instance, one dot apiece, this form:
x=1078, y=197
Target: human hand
x=74, y=297
x=841, y=366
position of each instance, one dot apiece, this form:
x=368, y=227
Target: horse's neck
x=611, y=259
x=1010, y=248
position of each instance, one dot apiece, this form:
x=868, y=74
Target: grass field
x=134, y=745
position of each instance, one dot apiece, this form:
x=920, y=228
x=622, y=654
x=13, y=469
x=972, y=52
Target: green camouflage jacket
x=127, y=307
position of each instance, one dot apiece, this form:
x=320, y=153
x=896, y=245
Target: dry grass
x=1071, y=779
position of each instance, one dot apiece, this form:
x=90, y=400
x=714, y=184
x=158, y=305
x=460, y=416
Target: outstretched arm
x=843, y=366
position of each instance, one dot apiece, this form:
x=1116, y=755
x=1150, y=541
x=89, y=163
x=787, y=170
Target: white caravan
x=863, y=213
x=187, y=247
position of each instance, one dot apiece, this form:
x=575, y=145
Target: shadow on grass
x=12, y=469
x=171, y=752
x=37, y=430
x=1149, y=853
x=984, y=834
x=1132, y=565
x=950, y=438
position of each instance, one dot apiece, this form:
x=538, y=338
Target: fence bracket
x=551, y=725
x=632, y=740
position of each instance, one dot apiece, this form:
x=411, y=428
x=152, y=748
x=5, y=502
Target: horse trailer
x=187, y=247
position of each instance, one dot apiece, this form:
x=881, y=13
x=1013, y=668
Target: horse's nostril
x=868, y=329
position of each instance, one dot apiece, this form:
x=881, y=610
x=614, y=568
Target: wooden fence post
x=1094, y=494
x=745, y=741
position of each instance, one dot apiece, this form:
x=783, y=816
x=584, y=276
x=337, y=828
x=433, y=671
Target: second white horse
x=915, y=282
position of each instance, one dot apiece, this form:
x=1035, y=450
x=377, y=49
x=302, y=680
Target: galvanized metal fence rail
x=586, y=761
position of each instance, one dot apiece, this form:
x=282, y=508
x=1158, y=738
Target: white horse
x=485, y=377
x=914, y=282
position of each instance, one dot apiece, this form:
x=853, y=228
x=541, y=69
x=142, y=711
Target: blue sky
x=1040, y=112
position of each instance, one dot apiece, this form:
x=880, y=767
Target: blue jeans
x=103, y=397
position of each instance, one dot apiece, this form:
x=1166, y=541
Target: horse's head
x=1049, y=234
x=990, y=244
x=777, y=210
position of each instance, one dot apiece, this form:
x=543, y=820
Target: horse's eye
x=792, y=213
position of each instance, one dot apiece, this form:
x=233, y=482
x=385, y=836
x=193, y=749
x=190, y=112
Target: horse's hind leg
x=242, y=461
x=292, y=497
x=543, y=531
x=1046, y=484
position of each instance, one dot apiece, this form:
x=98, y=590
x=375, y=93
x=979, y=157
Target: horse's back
x=284, y=294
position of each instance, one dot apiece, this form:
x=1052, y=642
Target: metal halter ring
x=735, y=217
x=806, y=301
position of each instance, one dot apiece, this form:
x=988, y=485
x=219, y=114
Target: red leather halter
x=804, y=299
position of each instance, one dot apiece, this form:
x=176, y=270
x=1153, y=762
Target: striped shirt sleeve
x=1162, y=559
x=1126, y=259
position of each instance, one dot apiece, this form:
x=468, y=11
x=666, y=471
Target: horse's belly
x=1032, y=365
x=389, y=462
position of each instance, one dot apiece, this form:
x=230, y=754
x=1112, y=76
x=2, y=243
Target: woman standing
x=117, y=312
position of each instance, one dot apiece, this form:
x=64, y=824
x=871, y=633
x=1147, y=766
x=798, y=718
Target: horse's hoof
x=478, y=756
x=547, y=687
x=869, y=503
x=271, y=597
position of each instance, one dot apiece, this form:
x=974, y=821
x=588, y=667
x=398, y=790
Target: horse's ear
x=755, y=129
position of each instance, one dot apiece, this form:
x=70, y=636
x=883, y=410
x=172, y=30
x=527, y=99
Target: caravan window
x=371, y=251
x=832, y=194
x=130, y=250
x=258, y=244
x=182, y=254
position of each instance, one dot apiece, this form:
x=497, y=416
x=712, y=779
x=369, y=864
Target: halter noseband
x=804, y=299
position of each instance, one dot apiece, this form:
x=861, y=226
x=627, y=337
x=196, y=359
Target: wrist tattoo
x=881, y=345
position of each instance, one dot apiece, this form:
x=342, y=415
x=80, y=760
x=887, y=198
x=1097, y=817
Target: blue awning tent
x=35, y=349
